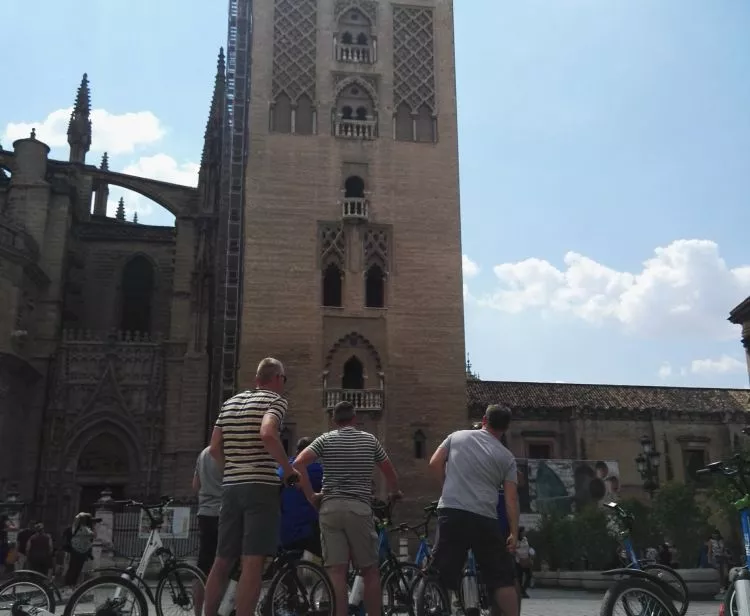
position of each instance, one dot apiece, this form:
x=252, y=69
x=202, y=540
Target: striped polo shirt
x=246, y=459
x=349, y=457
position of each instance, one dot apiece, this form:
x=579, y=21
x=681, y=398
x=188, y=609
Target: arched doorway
x=102, y=464
x=354, y=374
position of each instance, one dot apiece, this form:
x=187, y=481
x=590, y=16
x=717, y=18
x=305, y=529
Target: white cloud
x=724, y=365
x=686, y=288
x=470, y=268
x=157, y=167
x=111, y=132
x=665, y=370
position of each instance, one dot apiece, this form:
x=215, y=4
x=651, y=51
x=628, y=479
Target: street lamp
x=647, y=464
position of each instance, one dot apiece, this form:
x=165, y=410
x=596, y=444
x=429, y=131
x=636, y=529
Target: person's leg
x=335, y=552
x=261, y=523
x=495, y=563
x=451, y=546
x=208, y=529
x=74, y=569
x=362, y=538
x=228, y=550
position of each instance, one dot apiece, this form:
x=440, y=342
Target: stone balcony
x=354, y=54
x=355, y=129
x=368, y=400
x=355, y=208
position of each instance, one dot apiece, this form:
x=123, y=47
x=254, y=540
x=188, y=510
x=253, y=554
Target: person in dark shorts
x=300, y=529
x=207, y=483
x=473, y=466
x=246, y=444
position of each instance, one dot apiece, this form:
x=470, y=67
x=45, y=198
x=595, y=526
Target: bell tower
x=351, y=266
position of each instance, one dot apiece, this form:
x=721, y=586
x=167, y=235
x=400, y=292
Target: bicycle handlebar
x=734, y=470
x=165, y=502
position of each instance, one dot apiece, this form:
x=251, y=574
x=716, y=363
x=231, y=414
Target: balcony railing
x=355, y=208
x=354, y=54
x=361, y=399
x=355, y=129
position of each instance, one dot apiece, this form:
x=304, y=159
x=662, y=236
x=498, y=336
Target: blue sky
x=605, y=158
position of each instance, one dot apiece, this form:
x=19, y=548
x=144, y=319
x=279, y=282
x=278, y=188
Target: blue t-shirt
x=297, y=515
x=502, y=514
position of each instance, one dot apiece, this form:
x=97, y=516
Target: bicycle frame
x=743, y=505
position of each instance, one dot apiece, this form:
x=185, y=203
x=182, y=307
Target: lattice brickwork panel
x=368, y=7
x=413, y=57
x=376, y=248
x=294, y=48
x=332, y=245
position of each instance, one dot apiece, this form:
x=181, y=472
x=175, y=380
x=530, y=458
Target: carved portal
x=104, y=455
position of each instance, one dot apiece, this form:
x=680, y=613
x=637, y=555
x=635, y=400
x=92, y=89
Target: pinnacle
x=83, y=97
x=120, y=215
x=104, y=166
x=135, y=218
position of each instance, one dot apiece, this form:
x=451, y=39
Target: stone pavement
x=551, y=602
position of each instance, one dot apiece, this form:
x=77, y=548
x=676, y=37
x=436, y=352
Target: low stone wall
x=701, y=583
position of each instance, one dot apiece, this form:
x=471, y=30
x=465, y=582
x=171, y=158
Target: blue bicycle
x=668, y=577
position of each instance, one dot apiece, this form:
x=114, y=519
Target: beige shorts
x=348, y=529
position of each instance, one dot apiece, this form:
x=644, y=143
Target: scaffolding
x=234, y=161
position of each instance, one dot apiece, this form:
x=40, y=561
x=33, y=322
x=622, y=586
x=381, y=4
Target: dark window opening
x=137, y=290
x=347, y=38
x=354, y=187
x=332, y=283
x=375, y=287
x=361, y=39
x=420, y=443
x=304, y=122
x=540, y=451
x=354, y=374
x=404, y=123
x=362, y=113
x=346, y=112
x=282, y=114
x=695, y=459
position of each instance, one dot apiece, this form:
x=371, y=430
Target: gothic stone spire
x=79, y=127
x=104, y=165
x=212, y=138
x=120, y=215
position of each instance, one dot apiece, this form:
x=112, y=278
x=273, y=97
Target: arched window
x=361, y=39
x=332, y=283
x=104, y=455
x=404, y=123
x=347, y=112
x=137, y=295
x=425, y=125
x=347, y=38
x=354, y=187
x=303, y=119
x=282, y=114
x=362, y=113
x=375, y=287
x=420, y=445
x=354, y=374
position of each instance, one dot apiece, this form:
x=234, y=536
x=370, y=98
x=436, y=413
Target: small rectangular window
x=694, y=459
x=540, y=451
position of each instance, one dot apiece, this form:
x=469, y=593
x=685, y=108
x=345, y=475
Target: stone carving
x=367, y=82
x=104, y=455
x=294, y=48
x=369, y=8
x=332, y=245
x=413, y=57
x=354, y=340
x=376, y=248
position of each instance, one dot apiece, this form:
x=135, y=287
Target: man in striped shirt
x=245, y=443
x=347, y=528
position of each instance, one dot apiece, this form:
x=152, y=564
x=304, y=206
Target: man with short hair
x=246, y=444
x=473, y=466
x=207, y=484
x=347, y=528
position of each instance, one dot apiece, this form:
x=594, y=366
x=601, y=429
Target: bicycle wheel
x=669, y=576
x=430, y=597
x=300, y=589
x=635, y=595
x=398, y=585
x=175, y=592
x=730, y=603
x=124, y=598
x=29, y=590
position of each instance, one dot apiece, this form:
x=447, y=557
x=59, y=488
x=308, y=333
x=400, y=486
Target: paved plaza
x=544, y=602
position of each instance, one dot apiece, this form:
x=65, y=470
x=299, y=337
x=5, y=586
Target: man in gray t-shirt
x=207, y=483
x=474, y=465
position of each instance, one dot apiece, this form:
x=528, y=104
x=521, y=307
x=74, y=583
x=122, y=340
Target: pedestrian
x=78, y=542
x=349, y=457
x=23, y=540
x=207, y=484
x=39, y=551
x=473, y=465
x=524, y=561
x=247, y=448
x=717, y=556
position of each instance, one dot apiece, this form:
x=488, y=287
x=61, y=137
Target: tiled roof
x=521, y=395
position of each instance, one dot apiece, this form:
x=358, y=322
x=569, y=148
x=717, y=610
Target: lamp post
x=647, y=463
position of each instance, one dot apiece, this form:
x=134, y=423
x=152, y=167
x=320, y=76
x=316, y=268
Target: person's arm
x=512, y=510
x=383, y=462
x=216, y=448
x=303, y=460
x=196, y=483
x=439, y=459
x=269, y=434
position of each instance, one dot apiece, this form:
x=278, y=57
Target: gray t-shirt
x=477, y=466
x=209, y=495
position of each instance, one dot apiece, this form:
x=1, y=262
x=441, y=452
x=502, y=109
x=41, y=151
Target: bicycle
x=662, y=572
x=737, y=598
x=46, y=587
x=171, y=568
x=651, y=596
